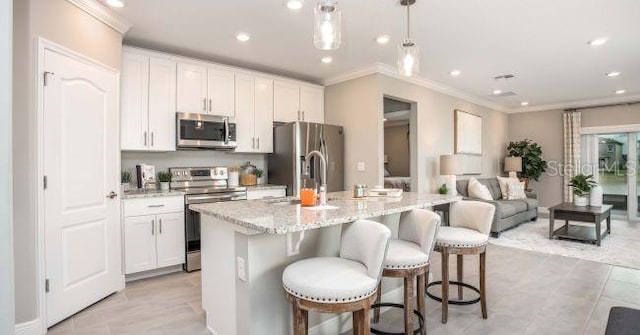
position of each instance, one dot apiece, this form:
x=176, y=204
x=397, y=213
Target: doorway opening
x=399, y=147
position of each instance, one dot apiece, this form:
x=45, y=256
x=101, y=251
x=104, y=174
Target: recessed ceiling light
x=613, y=74
x=294, y=4
x=621, y=91
x=455, y=73
x=496, y=92
x=115, y=3
x=598, y=41
x=243, y=37
x=383, y=39
x=524, y=103
x=327, y=60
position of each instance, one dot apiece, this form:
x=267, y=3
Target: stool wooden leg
x=445, y=283
x=376, y=312
x=408, y=305
x=421, y=293
x=460, y=275
x=361, y=321
x=366, y=320
x=483, y=298
x=300, y=319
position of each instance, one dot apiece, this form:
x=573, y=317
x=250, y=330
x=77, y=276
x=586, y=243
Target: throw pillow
x=503, y=181
x=516, y=191
x=477, y=190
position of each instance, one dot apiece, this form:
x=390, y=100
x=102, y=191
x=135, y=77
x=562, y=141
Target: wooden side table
x=567, y=211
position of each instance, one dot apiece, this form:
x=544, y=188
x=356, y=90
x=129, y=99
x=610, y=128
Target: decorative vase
x=580, y=201
x=595, y=198
x=234, y=179
x=125, y=187
x=164, y=186
x=260, y=180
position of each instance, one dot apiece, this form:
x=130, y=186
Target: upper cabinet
x=295, y=102
x=147, y=103
x=203, y=89
x=254, y=114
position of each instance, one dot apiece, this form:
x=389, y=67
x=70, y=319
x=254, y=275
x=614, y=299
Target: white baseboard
x=33, y=327
x=153, y=273
x=341, y=323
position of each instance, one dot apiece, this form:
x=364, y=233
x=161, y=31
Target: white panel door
x=162, y=105
x=312, y=104
x=81, y=160
x=170, y=239
x=286, y=101
x=134, y=102
x=264, y=115
x=245, y=104
x=192, y=89
x=221, y=92
x=139, y=243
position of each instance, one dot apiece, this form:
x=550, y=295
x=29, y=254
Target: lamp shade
x=450, y=165
x=513, y=164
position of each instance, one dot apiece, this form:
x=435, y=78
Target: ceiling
x=542, y=42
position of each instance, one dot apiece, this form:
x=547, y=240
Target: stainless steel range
x=201, y=185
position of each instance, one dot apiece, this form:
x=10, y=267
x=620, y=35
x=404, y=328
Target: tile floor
x=528, y=293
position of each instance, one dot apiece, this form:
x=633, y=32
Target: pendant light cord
x=408, y=20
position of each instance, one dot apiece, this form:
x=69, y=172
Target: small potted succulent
x=125, y=180
x=260, y=176
x=443, y=189
x=581, y=185
x=164, y=177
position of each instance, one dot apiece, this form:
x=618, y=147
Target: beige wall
x=545, y=128
x=396, y=147
x=7, y=309
x=63, y=23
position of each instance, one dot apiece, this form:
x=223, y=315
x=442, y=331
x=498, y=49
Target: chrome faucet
x=323, y=170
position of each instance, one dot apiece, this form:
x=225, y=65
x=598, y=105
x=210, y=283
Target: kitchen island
x=247, y=244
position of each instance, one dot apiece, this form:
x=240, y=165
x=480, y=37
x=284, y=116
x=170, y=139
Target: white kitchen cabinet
x=148, y=103
x=254, y=194
x=203, y=89
x=153, y=233
x=254, y=114
x=295, y=102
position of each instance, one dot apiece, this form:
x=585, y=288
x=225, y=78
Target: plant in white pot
x=581, y=185
x=125, y=180
x=164, y=177
x=260, y=176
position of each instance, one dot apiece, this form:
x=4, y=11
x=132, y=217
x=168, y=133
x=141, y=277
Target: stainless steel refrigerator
x=291, y=143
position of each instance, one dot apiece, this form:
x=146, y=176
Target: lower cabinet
x=153, y=241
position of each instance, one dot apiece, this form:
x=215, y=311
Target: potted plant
x=125, y=180
x=164, y=177
x=443, y=189
x=533, y=166
x=260, y=176
x=581, y=185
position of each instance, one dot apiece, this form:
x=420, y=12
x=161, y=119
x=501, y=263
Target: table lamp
x=449, y=168
x=513, y=165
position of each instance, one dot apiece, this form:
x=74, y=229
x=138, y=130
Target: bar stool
x=467, y=234
x=408, y=258
x=339, y=284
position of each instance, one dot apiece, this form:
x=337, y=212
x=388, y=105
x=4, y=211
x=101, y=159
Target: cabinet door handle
x=210, y=103
x=160, y=223
x=145, y=138
x=299, y=116
x=258, y=143
x=204, y=101
x=155, y=206
x=303, y=116
x=153, y=227
x=152, y=138
x=253, y=143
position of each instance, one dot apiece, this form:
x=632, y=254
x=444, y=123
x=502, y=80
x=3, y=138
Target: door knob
x=112, y=195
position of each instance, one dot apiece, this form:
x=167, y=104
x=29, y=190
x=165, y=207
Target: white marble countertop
x=285, y=216
x=136, y=194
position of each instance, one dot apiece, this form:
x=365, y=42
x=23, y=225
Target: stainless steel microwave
x=204, y=131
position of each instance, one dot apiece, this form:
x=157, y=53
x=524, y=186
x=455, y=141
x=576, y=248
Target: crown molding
x=579, y=104
x=391, y=71
x=102, y=13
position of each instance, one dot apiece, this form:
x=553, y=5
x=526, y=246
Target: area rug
x=620, y=248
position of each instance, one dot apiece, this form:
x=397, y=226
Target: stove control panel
x=195, y=174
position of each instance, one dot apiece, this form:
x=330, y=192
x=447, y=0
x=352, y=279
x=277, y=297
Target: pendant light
x=408, y=51
x=327, y=33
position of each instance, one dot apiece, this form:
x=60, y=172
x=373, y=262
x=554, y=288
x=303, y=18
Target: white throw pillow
x=477, y=190
x=515, y=191
x=503, y=181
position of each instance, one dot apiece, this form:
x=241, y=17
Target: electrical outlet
x=242, y=272
x=360, y=166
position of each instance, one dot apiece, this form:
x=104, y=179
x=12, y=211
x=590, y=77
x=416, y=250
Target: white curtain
x=571, y=150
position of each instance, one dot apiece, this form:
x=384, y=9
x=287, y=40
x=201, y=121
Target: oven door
x=203, y=131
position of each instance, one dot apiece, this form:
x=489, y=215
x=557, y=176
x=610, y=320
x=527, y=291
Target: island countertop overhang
x=284, y=216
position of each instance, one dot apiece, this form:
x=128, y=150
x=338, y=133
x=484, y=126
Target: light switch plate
x=360, y=166
x=242, y=273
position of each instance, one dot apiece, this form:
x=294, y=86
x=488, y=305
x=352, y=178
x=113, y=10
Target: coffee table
x=567, y=211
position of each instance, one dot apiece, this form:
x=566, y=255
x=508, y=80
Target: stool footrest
x=455, y=302
x=401, y=306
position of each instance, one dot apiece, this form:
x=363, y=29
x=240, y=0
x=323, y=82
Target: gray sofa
x=509, y=213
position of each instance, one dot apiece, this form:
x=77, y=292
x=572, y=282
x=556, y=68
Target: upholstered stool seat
x=328, y=280
x=408, y=258
x=458, y=237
